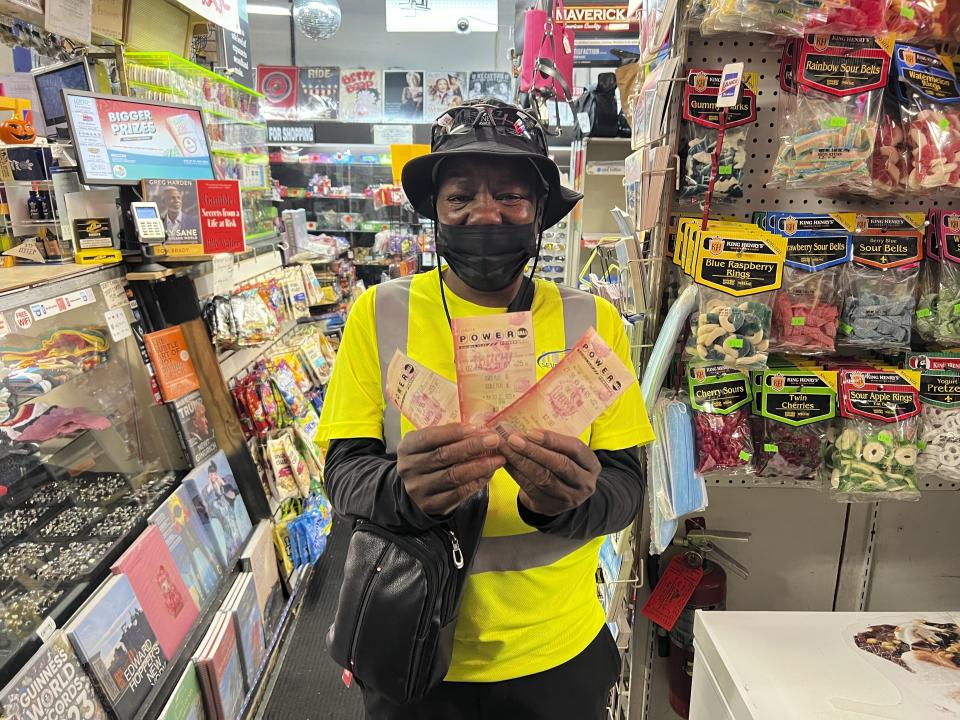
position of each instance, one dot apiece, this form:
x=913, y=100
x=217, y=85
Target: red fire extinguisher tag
x=672, y=592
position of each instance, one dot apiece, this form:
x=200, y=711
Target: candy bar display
x=929, y=100
x=939, y=459
x=806, y=311
x=881, y=281
x=720, y=401
x=830, y=140
x=875, y=452
x=796, y=408
x=703, y=122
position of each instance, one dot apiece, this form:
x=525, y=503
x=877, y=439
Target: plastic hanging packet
x=720, y=400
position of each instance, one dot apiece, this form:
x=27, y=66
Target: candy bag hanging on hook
x=720, y=401
x=939, y=444
x=874, y=455
x=840, y=82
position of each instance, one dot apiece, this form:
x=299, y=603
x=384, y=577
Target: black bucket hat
x=488, y=130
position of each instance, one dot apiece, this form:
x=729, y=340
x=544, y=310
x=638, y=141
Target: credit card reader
x=146, y=216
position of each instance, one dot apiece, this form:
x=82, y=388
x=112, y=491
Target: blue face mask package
x=675, y=487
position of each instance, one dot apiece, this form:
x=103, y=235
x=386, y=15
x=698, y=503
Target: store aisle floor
x=308, y=685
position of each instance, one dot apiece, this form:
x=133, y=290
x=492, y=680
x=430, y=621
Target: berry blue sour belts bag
x=881, y=281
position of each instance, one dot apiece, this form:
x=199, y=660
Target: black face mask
x=487, y=257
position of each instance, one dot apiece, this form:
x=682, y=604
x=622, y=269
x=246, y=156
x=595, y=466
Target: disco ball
x=317, y=19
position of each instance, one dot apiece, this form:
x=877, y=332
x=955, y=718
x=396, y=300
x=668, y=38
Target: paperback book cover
x=163, y=595
x=217, y=501
x=361, y=95
x=198, y=563
x=242, y=606
x=179, y=208
x=112, y=637
x=186, y=700
x=220, y=660
x=194, y=428
x=171, y=362
x=260, y=559
x=51, y=686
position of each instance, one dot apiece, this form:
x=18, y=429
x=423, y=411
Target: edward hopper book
x=113, y=639
x=219, y=660
x=241, y=604
x=194, y=428
x=197, y=561
x=163, y=595
x=186, y=700
x=216, y=499
x=51, y=686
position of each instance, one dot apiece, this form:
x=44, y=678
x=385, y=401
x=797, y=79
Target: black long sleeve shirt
x=362, y=482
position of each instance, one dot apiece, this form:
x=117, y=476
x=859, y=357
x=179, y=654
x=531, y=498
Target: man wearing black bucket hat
x=530, y=640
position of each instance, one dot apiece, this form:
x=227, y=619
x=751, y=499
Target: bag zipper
x=364, y=601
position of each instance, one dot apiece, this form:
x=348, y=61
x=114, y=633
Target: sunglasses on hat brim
x=508, y=121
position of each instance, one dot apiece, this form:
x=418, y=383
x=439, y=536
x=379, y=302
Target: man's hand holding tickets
x=555, y=472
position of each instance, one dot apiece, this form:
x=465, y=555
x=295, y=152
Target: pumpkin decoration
x=17, y=132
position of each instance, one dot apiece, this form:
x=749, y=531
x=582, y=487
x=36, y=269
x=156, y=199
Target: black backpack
x=599, y=102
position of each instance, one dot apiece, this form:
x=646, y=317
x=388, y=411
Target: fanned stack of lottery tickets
x=497, y=385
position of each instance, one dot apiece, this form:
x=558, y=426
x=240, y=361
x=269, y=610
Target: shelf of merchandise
x=192, y=84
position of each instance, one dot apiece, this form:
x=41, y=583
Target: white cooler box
x=820, y=665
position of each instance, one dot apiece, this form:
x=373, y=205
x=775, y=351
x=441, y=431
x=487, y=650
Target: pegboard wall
x=763, y=143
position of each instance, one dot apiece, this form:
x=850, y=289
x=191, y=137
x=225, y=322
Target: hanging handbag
x=547, y=62
x=399, y=600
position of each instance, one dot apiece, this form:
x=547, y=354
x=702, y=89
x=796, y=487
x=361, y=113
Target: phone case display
x=85, y=454
x=881, y=280
x=806, y=312
x=720, y=401
x=874, y=454
x=830, y=139
x=796, y=407
x=235, y=128
x=347, y=193
x=704, y=120
x=926, y=90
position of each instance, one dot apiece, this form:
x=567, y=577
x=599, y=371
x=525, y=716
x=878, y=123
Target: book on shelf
x=51, y=686
x=241, y=605
x=221, y=671
x=217, y=499
x=259, y=558
x=186, y=700
x=166, y=601
x=114, y=641
x=194, y=428
x=179, y=523
x=171, y=362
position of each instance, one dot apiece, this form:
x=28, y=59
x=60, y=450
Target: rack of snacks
x=235, y=127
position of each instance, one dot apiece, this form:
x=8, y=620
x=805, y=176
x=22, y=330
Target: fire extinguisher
x=710, y=594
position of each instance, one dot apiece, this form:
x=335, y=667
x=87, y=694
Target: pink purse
x=547, y=62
